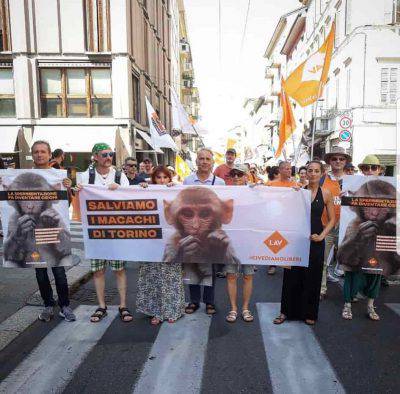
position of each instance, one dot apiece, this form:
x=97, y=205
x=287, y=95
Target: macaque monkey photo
x=358, y=248
x=21, y=248
x=197, y=214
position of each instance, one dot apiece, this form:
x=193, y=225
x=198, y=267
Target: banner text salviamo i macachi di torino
x=197, y=224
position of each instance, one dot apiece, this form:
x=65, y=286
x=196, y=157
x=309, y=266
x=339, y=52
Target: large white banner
x=367, y=233
x=197, y=224
x=34, y=215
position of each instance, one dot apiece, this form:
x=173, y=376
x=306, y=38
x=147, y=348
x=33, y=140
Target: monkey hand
x=25, y=225
x=188, y=247
x=218, y=242
x=50, y=218
x=389, y=226
x=367, y=229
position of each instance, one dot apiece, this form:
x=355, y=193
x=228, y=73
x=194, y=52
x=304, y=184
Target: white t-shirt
x=83, y=178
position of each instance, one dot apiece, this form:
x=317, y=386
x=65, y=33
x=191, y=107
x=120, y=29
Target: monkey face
x=31, y=207
x=375, y=214
x=196, y=220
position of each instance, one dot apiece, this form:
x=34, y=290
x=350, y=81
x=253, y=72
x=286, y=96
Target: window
x=146, y=46
x=136, y=97
x=98, y=26
x=348, y=17
x=7, y=100
x=388, y=85
x=4, y=27
x=396, y=11
x=76, y=92
x=348, y=89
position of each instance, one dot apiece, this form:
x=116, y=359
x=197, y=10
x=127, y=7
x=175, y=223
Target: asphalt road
x=208, y=355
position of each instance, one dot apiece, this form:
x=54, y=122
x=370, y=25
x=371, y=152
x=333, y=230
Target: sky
x=225, y=84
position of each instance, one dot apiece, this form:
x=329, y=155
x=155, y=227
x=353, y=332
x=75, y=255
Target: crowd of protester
x=160, y=285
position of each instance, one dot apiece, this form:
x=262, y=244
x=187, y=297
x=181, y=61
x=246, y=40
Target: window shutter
x=393, y=86
x=384, y=84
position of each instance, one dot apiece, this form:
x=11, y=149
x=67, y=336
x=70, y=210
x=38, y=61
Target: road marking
x=52, y=364
x=176, y=360
x=296, y=362
x=394, y=307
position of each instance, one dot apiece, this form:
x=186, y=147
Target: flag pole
x=315, y=120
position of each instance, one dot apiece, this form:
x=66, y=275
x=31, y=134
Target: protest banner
x=367, y=233
x=34, y=214
x=197, y=224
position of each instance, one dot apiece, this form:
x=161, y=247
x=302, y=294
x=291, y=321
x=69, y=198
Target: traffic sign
x=345, y=135
x=345, y=122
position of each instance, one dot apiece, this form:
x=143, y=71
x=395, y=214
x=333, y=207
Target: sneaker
x=331, y=278
x=67, y=313
x=338, y=271
x=271, y=270
x=46, y=314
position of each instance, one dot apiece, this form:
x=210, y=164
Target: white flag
x=180, y=119
x=159, y=135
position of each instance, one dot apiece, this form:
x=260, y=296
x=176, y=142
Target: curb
x=13, y=326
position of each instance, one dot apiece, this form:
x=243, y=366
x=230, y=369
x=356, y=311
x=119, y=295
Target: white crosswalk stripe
x=176, y=358
x=51, y=365
x=394, y=307
x=296, y=362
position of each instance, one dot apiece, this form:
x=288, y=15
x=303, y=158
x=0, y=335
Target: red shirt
x=222, y=171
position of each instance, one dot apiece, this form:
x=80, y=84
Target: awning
x=75, y=138
x=8, y=138
x=147, y=138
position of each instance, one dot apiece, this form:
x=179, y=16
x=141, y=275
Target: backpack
x=92, y=176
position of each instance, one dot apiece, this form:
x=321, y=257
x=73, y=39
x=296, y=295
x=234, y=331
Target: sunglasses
x=367, y=167
x=130, y=165
x=236, y=174
x=338, y=158
x=107, y=154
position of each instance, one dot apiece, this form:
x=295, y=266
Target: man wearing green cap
x=104, y=174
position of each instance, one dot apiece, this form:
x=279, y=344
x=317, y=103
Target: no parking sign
x=345, y=135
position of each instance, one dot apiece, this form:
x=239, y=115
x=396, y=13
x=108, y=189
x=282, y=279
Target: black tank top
x=317, y=207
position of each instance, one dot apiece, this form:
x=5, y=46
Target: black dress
x=301, y=285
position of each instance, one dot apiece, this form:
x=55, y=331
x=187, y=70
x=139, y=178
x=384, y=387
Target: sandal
x=346, y=313
x=191, y=308
x=231, y=317
x=247, y=316
x=210, y=309
x=372, y=314
x=98, y=315
x=125, y=315
x=280, y=319
x=155, y=321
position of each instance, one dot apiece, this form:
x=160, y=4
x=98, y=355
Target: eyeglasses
x=107, y=154
x=368, y=167
x=131, y=165
x=338, y=158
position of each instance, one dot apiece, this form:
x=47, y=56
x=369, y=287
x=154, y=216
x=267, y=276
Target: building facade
x=77, y=72
x=363, y=79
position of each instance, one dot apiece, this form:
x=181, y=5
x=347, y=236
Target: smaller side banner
x=34, y=212
x=367, y=233
x=197, y=224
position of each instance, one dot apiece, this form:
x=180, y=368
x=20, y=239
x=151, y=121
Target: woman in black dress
x=301, y=285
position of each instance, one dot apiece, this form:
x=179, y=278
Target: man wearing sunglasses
x=103, y=173
x=337, y=159
x=131, y=171
x=370, y=166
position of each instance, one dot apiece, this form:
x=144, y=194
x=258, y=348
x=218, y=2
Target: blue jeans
x=45, y=289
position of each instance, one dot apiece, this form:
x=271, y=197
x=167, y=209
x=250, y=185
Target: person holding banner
x=160, y=285
x=104, y=174
x=239, y=176
x=203, y=176
x=41, y=155
x=301, y=285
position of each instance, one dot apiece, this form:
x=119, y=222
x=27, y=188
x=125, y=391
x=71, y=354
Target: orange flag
x=306, y=82
x=287, y=124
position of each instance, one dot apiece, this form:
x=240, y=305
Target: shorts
x=98, y=265
x=246, y=269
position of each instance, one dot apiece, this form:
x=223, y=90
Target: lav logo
x=275, y=242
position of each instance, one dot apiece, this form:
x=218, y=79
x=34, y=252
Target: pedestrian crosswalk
x=295, y=358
